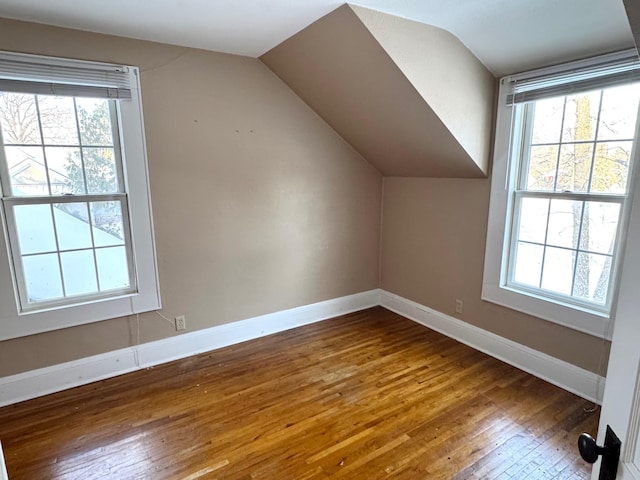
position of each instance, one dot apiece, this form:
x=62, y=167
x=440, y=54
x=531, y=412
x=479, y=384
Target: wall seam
x=384, y=179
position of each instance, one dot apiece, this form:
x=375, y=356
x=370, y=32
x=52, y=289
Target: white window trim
x=494, y=287
x=147, y=298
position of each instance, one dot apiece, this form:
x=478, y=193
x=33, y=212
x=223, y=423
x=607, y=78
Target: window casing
x=560, y=187
x=76, y=207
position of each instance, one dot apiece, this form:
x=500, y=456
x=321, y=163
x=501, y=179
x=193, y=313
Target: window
x=75, y=195
x=562, y=176
x=65, y=202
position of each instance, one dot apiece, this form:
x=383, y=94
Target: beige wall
x=433, y=240
x=258, y=205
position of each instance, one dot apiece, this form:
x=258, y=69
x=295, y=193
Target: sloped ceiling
x=408, y=96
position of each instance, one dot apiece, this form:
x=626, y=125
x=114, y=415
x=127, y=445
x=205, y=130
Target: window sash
x=518, y=196
x=75, y=198
x=577, y=196
x=520, y=150
x=6, y=189
x=16, y=258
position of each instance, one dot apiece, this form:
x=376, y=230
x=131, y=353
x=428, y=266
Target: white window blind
x=608, y=71
x=46, y=76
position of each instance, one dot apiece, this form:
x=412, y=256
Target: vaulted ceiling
x=506, y=35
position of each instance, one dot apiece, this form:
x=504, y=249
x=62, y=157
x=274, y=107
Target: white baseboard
x=200, y=341
x=565, y=375
x=43, y=381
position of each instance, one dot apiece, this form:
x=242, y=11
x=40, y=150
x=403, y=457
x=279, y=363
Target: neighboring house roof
x=29, y=174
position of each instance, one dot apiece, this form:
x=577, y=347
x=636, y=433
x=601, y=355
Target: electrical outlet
x=458, y=306
x=181, y=323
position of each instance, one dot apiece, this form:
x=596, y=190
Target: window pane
x=72, y=226
x=557, y=273
x=547, y=120
x=107, y=221
x=528, y=264
x=65, y=170
x=113, y=270
x=100, y=170
x=575, y=167
x=27, y=171
x=58, y=118
x=581, y=113
x=79, y=272
x=19, y=119
x=599, y=227
x=592, y=277
x=542, y=168
x=95, y=122
x=533, y=219
x=42, y=276
x=34, y=226
x=564, y=223
x=611, y=167
x=619, y=113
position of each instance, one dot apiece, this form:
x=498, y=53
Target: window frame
x=506, y=176
x=14, y=244
x=524, y=119
x=11, y=200
x=136, y=189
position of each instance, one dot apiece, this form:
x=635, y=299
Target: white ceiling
x=506, y=35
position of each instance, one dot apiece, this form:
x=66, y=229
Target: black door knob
x=610, y=452
x=589, y=450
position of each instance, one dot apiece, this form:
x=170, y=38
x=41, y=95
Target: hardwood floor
x=369, y=395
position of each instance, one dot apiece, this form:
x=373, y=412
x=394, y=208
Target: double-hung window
x=565, y=147
x=75, y=196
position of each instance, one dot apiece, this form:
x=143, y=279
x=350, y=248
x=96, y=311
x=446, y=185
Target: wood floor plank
x=368, y=395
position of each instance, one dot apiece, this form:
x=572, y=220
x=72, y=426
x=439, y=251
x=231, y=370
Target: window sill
x=591, y=322
x=63, y=317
